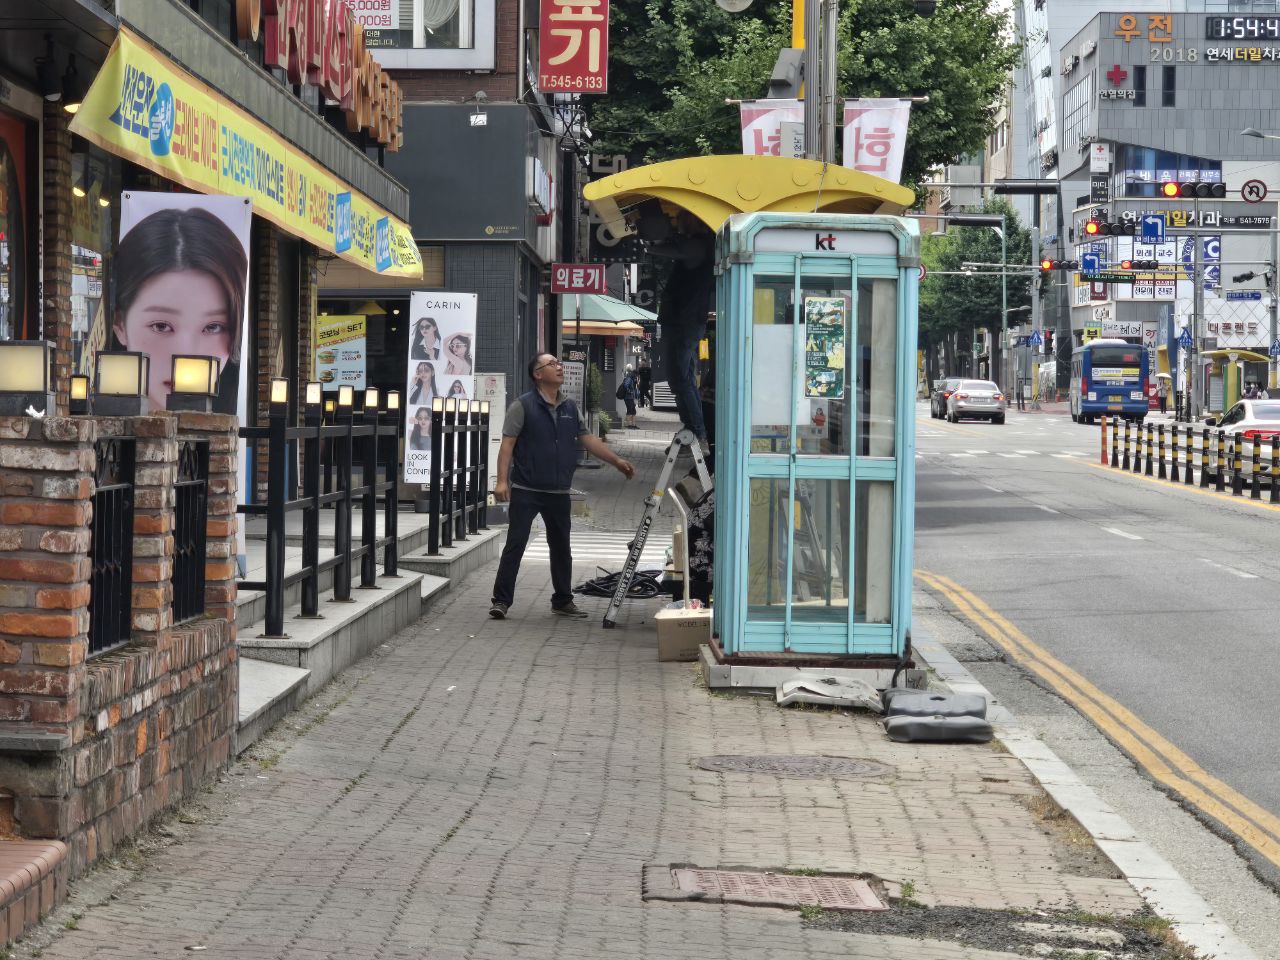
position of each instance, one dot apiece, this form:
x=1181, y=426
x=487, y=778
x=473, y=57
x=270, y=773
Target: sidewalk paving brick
x=495, y=789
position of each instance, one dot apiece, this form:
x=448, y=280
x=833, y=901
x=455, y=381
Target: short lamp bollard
x=195, y=384
x=79, y=395
x=276, y=454
x=391, y=502
x=25, y=386
x=120, y=384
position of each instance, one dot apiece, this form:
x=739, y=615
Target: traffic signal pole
x=1036, y=322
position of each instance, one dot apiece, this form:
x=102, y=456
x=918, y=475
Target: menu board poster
x=441, y=363
x=824, y=361
x=340, y=351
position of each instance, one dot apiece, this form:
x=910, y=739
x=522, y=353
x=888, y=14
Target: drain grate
x=759, y=889
x=791, y=765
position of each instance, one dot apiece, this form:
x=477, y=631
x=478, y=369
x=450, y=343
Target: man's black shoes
x=570, y=609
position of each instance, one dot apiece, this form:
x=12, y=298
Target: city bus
x=1108, y=377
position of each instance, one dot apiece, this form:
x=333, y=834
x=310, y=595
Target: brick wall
x=91, y=749
x=457, y=86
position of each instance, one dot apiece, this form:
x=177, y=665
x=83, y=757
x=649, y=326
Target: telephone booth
x=815, y=443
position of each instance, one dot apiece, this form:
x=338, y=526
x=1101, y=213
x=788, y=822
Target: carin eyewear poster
x=441, y=363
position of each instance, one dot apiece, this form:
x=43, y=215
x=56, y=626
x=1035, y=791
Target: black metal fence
x=458, y=496
x=111, y=546
x=367, y=438
x=1196, y=455
x=191, y=513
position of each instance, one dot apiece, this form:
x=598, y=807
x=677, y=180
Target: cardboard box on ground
x=681, y=632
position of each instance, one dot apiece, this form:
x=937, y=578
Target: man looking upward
x=536, y=462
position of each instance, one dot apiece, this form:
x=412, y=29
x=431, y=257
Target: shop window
x=18, y=202
x=95, y=223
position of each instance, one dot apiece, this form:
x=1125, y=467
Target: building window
x=1139, y=86
x=18, y=205
x=1076, y=112
x=1168, y=95
x=431, y=34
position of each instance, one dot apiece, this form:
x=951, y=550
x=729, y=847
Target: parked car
x=976, y=399
x=1251, y=419
x=942, y=390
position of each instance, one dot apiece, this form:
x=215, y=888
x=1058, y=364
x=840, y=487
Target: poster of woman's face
x=441, y=363
x=182, y=276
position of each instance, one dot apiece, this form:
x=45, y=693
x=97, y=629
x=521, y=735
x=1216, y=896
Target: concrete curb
x=1154, y=878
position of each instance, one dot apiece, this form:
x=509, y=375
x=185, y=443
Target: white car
x=1251, y=419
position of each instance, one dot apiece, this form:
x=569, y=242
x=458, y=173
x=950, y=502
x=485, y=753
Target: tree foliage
x=674, y=62
x=953, y=303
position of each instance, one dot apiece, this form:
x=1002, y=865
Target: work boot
x=570, y=609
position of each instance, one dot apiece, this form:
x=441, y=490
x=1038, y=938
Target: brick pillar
x=155, y=471
x=308, y=290
x=46, y=469
x=270, y=360
x=220, y=528
x=56, y=281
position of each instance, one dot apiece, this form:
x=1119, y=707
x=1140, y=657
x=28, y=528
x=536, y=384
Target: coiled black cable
x=644, y=585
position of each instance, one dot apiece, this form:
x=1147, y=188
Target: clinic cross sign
x=578, y=278
x=573, y=46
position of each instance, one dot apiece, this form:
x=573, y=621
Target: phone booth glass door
x=821, y=413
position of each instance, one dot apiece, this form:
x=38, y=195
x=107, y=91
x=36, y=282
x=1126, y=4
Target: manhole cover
x=761, y=889
x=789, y=765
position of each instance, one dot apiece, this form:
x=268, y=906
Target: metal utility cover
x=776, y=889
x=790, y=765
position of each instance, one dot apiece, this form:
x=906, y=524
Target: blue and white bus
x=1108, y=377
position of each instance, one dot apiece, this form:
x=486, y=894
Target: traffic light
x=1141, y=264
x=1192, y=188
x=1116, y=228
x=1048, y=265
x=1048, y=340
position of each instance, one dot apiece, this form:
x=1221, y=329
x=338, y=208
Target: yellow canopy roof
x=1225, y=354
x=715, y=188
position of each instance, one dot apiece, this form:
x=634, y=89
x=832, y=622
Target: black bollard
x=1204, y=457
x=1163, y=474
x=1150, y=449
x=1275, y=468
x=1237, y=467
x=1188, y=471
x=1115, y=436
x=1255, y=487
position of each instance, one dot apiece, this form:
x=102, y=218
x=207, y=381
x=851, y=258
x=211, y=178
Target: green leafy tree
x=952, y=305
x=674, y=62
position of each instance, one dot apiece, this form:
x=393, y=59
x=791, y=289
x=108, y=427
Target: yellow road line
x=1163, y=761
x=1197, y=490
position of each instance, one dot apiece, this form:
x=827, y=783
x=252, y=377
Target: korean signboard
x=574, y=46
x=578, y=278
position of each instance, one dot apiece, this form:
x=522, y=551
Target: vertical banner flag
x=441, y=363
x=340, y=351
x=573, y=48
x=181, y=279
x=762, y=126
x=875, y=136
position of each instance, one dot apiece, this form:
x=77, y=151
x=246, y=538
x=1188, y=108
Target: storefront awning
x=145, y=108
x=1249, y=356
x=604, y=309
x=597, y=328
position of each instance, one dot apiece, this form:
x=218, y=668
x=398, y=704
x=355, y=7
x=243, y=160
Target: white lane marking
x=993, y=489
x=979, y=451
x=1012, y=456
x=1063, y=456
x=1034, y=453
x=970, y=455
x=1046, y=509
x=1231, y=570
x=1123, y=533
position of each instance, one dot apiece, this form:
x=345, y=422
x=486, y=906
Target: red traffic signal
x=1092, y=228
x=1126, y=264
x=1200, y=189
x=1046, y=265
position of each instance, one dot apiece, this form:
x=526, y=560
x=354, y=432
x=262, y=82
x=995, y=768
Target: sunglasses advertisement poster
x=441, y=363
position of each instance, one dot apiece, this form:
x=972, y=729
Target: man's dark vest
x=546, y=451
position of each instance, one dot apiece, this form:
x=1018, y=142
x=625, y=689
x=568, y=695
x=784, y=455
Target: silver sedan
x=977, y=400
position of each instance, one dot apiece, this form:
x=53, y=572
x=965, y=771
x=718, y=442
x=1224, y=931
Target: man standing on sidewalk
x=536, y=462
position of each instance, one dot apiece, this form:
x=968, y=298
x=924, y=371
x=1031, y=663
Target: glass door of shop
x=821, y=462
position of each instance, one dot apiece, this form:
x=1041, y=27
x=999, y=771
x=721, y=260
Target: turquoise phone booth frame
x=815, y=434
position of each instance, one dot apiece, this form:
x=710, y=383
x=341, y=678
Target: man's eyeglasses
x=549, y=363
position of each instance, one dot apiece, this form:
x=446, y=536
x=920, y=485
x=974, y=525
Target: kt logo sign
x=824, y=243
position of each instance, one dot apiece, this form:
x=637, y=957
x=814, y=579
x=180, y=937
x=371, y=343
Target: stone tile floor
x=483, y=789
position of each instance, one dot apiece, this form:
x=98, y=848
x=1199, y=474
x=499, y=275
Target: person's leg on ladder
x=555, y=509
x=520, y=513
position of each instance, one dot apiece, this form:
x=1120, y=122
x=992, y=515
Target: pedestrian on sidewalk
x=536, y=462
x=629, y=393
x=1162, y=390
x=645, y=375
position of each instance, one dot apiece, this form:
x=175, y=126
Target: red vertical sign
x=573, y=42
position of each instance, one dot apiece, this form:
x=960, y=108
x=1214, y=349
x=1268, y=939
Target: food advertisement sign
x=340, y=351
x=824, y=347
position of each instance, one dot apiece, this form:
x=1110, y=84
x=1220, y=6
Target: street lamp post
x=1274, y=274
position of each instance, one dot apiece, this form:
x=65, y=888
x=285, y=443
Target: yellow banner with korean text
x=148, y=110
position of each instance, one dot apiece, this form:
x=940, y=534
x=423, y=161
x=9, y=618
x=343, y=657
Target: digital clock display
x=1242, y=28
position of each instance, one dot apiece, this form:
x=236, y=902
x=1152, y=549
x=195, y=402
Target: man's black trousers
x=554, y=508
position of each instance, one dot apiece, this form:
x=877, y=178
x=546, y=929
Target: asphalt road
x=1163, y=598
